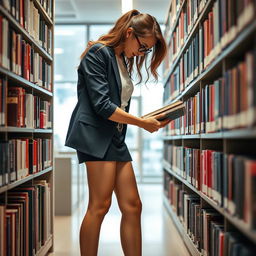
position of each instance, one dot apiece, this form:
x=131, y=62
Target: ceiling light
x=127, y=5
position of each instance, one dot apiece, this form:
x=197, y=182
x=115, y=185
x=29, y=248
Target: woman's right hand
x=151, y=124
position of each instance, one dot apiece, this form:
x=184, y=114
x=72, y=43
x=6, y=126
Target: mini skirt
x=117, y=150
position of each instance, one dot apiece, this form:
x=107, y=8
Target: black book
x=239, y=170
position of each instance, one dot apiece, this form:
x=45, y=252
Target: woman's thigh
x=126, y=188
x=101, y=180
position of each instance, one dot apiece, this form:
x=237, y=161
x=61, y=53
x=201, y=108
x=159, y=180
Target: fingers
x=164, y=123
x=159, y=116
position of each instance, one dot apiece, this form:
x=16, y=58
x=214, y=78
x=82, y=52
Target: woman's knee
x=133, y=207
x=99, y=208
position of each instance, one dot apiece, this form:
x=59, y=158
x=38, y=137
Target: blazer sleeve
x=93, y=67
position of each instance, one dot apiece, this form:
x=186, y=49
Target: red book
x=28, y=56
x=27, y=153
x=250, y=194
x=14, y=106
x=221, y=243
x=210, y=17
x=23, y=107
x=188, y=13
x=3, y=230
x=35, y=166
x=22, y=13
x=199, y=163
x=21, y=197
x=182, y=24
x=210, y=171
x=1, y=39
x=205, y=24
x=243, y=85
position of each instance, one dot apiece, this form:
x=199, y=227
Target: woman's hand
x=151, y=124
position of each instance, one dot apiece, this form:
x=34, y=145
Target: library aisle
x=160, y=237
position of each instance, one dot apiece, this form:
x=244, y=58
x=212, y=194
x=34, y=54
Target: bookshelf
x=26, y=127
x=209, y=161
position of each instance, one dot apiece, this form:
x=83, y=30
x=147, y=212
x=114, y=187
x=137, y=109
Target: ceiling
x=105, y=11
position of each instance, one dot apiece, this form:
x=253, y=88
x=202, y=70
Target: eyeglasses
x=142, y=48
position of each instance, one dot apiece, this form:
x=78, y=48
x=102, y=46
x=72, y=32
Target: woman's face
x=137, y=46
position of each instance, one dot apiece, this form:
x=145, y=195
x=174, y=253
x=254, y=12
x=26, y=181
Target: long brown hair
x=144, y=25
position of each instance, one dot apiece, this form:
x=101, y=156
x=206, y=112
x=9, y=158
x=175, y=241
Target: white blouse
x=127, y=85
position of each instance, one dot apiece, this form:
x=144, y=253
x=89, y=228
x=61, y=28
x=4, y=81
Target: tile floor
x=159, y=235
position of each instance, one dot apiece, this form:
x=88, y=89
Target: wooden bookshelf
x=46, y=247
x=39, y=157
x=43, y=12
x=187, y=240
x=235, y=221
x=25, y=34
x=22, y=181
x=25, y=130
x=177, y=19
x=200, y=132
x=224, y=54
x=191, y=33
x=236, y=134
x=22, y=81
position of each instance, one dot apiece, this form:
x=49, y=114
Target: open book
x=171, y=111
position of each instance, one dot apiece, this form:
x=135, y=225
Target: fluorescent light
x=127, y=5
x=58, y=77
x=58, y=50
x=63, y=32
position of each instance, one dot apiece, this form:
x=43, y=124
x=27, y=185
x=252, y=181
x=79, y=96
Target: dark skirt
x=117, y=150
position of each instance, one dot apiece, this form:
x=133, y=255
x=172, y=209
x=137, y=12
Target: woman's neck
x=119, y=50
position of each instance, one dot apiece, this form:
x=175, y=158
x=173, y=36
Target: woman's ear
x=129, y=32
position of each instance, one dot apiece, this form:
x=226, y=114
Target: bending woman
x=98, y=124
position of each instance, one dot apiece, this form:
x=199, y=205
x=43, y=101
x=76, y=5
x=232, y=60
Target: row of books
x=228, y=179
x=29, y=17
x=47, y=5
x=21, y=58
x=186, y=70
x=21, y=157
x=227, y=103
x=204, y=225
x=215, y=32
x=25, y=220
x=22, y=109
x=188, y=16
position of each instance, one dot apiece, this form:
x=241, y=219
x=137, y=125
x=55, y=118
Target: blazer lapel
x=116, y=71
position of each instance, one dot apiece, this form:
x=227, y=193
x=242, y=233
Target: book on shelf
x=21, y=57
x=211, y=109
x=219, y=27
x=26, y=13
x=22, y=157
x=26, y=219
x=27, y=110
x=204, y=225
x=171, y=111
x=26, y=41
x=227, y=179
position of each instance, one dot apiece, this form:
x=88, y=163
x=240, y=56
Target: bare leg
x=130, y=205
x=101, y=181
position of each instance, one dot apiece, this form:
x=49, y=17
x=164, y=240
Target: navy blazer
x=99, y=94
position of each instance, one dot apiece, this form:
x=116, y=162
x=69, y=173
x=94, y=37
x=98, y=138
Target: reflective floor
x=160, y=237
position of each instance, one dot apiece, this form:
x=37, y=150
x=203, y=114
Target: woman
x=98, y=124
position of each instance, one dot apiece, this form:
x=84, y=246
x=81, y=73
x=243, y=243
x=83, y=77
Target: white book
x=29, y=118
